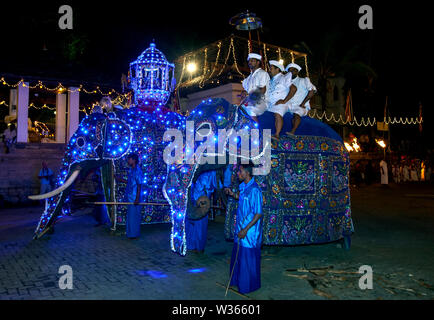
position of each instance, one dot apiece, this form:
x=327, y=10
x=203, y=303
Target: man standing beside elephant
x=245, y=267
x=196, y=230
x=133, y=192
x=209, y=181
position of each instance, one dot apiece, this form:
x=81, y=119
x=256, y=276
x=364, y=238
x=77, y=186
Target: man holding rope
x=245, y=268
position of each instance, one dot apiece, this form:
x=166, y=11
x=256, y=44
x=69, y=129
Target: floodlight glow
x=191, y=67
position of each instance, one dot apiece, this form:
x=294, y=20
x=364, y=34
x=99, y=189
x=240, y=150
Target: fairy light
x=205, y=67
x=305, y=64
x=226, y=60
x=265, y=58
x=219, y=46
x=235, y=59
x=59, y=88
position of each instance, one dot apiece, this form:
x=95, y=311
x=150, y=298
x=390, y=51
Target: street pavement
x=393, y=235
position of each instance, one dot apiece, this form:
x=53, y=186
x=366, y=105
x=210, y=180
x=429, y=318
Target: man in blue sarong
x=133, y=194
x=245, y=267
x=196, y=230
x=99, y=212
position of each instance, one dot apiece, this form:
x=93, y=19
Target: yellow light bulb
x=191, y=67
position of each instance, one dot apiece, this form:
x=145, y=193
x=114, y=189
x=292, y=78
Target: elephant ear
x=118, y=139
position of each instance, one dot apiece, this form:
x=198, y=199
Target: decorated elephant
x=310, y=202
x=104, y=141
x=213, y=128
x=306, y=196
x=306, y=192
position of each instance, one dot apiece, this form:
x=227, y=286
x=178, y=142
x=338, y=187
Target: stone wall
x=19, y=169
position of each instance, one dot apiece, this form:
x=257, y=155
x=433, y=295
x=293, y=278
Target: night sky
x=116, y=32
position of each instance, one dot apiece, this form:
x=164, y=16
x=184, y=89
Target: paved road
x=394, y=235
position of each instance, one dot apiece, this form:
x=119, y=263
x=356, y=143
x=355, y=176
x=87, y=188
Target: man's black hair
x=248, y=167
x=133, y=156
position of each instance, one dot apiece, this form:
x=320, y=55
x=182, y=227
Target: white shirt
x=384, y=173
x=278, y=87
x=303, y=87
x=256, y=80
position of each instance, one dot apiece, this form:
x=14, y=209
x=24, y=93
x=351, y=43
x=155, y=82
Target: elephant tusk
x=67, y=183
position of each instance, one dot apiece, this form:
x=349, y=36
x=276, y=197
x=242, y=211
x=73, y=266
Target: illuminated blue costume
x=133, y=214
x=247, y=271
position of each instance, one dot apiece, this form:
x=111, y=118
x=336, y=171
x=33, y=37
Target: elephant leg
x=346, y=242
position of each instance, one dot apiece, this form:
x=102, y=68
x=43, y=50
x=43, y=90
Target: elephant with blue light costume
x=306, y=194
x=104, y=141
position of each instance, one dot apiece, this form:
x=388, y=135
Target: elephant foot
x=346, y=242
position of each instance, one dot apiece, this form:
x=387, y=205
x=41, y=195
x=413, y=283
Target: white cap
x=254, y=56
x=293, y=65
x=277, y=64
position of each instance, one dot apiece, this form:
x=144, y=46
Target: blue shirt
x=135, y=177
x=250, y=204
x=205, y=185
x=45, y=172
x=227, y=176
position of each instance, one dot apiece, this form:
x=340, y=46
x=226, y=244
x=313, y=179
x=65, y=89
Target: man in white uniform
x=279, y=92
x=384, y=173
x=406, y=172
x=255, y=85
x=299, y=104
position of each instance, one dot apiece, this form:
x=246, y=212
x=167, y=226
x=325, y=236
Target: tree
x=330, y=57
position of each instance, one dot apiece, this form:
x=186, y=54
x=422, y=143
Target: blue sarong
x=196, y=230
x=196, y=233
x=133, y=221
x=247, y=272
x=134, y=215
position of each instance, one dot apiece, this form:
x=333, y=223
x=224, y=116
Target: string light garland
x=60, y=88
x=363, y=122
x=219, y=46
x=265, y=58
x=305, y=64
x=366, y=122
x=235, y=59
x=235, y=46
x=226, y=60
